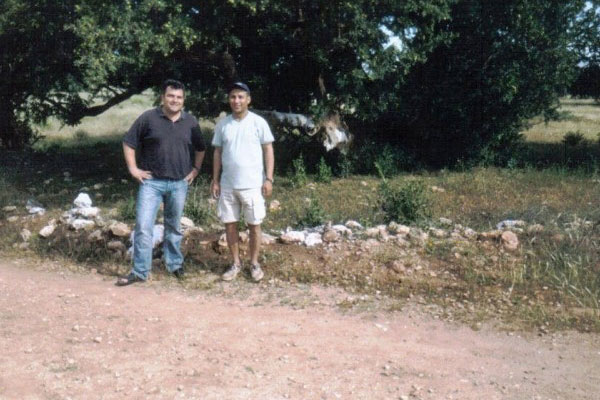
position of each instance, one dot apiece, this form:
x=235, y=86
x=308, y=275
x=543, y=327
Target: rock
x=417, y=235
x=331, y=236
x=470, y=233
x=353, y=224
x=98, y=186
x=95, y=236
x=222, y=242
x=187, y=223
x=34, y=207
x=124, y=181
x=82, y=200
x=80, y=223
x=438, y=233
x=372, y=232
x=87, y=212
x=401, y=241
x=243, y=237
x=25, y=234
x=398, y=229
x=396, y=266
x=98, y=339
x=116, y=245
x=268, y=239
x=510, y=241
x=120, y=229
x=274, y=205
x=291, y=237
x=190, y=231
x=510, y=223
x=12, y=218
x=438, y=189
x=9, y=208
x=490, y=235
x=445, y=221
x=535, y=228
x=313, y=239
x=46, y=231
x=342, y=229
x=364, y=183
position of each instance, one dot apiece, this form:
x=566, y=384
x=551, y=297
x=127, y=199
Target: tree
x=586, y=44
x=75, y=58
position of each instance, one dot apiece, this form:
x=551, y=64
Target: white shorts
x=250, y=201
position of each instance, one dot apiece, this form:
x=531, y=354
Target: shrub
x=323, y=172
x=299, y=177
x=197, y=206
x=406, y=203
x=127, y=209
x=314, y=214
x=345, y=166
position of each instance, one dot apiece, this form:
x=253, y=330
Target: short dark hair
x=173, y=84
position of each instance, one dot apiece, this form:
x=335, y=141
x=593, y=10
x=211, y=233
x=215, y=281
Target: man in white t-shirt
x=243, y=166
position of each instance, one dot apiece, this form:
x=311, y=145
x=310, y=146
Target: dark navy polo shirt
x=165, y=147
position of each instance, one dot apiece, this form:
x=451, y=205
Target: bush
x=299, y=177
x=405, y=204
x=314, y=215
x=127, y=209
x=323, y=172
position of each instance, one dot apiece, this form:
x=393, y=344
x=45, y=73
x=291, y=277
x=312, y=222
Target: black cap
x=239, y=85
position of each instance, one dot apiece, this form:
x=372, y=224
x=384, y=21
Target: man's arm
x=137, y=173
x=269, y=158
x=198, y=158
x=215, y=186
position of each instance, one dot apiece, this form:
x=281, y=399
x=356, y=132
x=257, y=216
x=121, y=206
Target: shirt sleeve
x=265, y=132
x=217, y=140
x=197, y=139
x=134, y=134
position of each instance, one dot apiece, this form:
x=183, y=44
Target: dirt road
x=72, y=335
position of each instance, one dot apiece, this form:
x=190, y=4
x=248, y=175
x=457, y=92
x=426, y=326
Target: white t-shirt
x=241, y=155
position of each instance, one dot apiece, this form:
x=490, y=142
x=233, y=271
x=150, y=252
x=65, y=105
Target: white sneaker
x=231, y=273
x=256, y=272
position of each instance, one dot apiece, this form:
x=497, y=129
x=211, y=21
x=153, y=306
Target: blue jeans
x=151, y=193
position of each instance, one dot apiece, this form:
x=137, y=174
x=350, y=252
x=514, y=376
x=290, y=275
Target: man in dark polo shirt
x=162, y=138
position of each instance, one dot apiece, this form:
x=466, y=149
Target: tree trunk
x=14, y=133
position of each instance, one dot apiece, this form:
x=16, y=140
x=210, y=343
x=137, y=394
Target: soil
x=66, y=334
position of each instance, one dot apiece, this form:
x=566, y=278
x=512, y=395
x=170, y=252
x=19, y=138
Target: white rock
x=12, y=218
x=372, y=232
x=470, y=233
x=293, y=237
x=313, y=239
x=510, y=223
x=187, y=223
x=9, y=208
x=268, y=239
x=87, y=212
x=81, y=223
x=445, y=221
x=98, y=186
x=34, y=207
x=82, y=200
x=438, y=233
x=222, y=242
x=46, y=231
x=353, y=224
x=535, y=228
x=274, y=205
x=398, y=229
x=342, y=229
x=25, y=234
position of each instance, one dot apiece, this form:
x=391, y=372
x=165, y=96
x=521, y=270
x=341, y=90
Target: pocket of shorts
x=258, y=209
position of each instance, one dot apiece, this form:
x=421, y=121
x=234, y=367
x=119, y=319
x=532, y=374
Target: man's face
x=239, y=100
x=172, y=100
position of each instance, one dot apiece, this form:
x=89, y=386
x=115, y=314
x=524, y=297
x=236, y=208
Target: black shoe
x=179, y=273
x=128, y=280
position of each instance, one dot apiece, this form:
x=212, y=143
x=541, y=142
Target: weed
x=197, y=205
x=323, y=172
x=406, y=204
x=127, y=209
x=313, y=214
x=346, y=168
x=299, y=177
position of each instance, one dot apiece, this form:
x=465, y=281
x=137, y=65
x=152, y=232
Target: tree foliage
x=459, y=82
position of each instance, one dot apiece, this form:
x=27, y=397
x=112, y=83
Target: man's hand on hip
x=140, y=174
